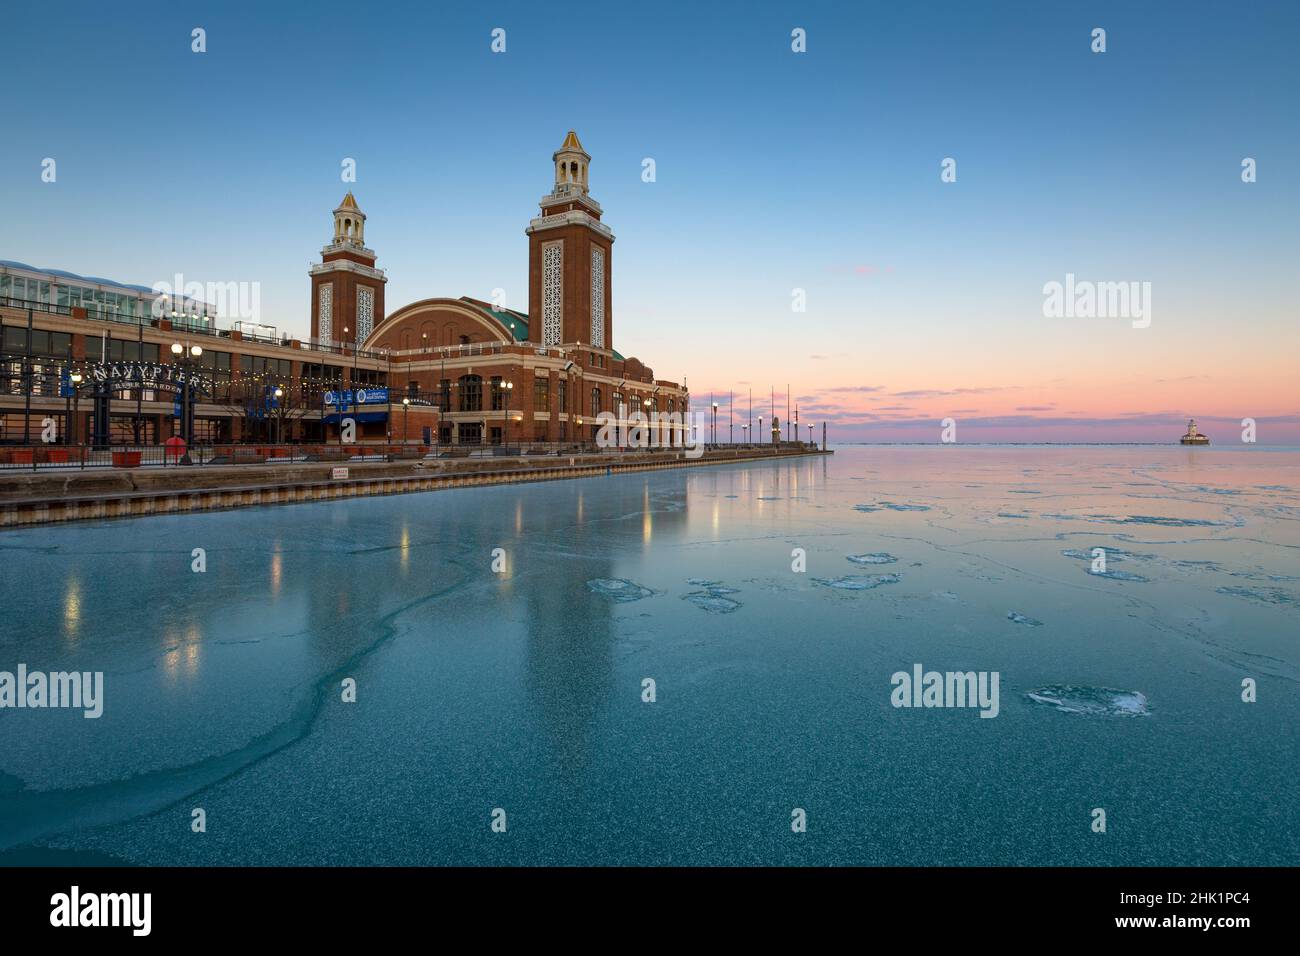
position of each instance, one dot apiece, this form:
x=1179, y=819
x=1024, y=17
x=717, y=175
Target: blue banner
x=361, y=397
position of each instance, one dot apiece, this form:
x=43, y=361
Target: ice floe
x=1092, y=701
x=1117, y=575
x=892, y=506
x=858, y=582
x=1147, y=519
x=1017, y=618
x=714, y=596
x=618, y=589
x=1275, y=596
x=712, y=601
x=876, y=557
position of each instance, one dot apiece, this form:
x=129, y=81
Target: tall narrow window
x=471, y=393
x=365, y=312
x=552, y=283
x=325, y=297
x=598, y=297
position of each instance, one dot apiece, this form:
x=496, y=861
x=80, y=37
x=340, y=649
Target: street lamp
x=354, y=356
x=75, y=379
x=279, y=420
x=505, y=430
x=185, y=357
x=406, y=410
x=714, y=427
x=810, y=438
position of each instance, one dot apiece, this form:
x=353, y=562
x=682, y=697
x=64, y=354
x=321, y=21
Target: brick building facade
x=452, y=370
x=498, y=374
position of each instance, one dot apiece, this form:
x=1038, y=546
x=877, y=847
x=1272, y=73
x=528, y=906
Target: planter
x=126, y=459
x=24, y=456
x=58, y=456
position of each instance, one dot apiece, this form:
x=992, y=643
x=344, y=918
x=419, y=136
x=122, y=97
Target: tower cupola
x=571, y=162
x=349, y=223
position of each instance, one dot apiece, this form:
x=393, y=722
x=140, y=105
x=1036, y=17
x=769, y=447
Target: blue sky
x=775, y=171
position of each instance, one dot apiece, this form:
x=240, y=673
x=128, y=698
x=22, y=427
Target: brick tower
x=347, y=291
x=570, y=297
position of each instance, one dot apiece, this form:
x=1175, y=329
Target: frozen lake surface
x=1120, y=686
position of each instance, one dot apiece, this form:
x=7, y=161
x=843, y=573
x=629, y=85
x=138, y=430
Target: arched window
x=595, y=401
x=471, y=393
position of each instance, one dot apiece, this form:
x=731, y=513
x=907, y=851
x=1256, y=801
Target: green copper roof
x=507, y=316
x=617, y=357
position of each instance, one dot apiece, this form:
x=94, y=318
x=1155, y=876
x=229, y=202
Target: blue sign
x=364, y=396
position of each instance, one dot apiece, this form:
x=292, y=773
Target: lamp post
x=713, y=429
x=75, y=379
x=354, y=359
x=406, y=410
x=810, y=438
x=279, y=420
x=505, y=431
x=185, y=356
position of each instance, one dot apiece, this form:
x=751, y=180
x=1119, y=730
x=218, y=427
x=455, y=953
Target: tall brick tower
x=570, y=296
x=347, y=291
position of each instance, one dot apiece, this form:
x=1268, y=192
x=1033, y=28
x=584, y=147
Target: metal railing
x=14, y=458
x=181, y=324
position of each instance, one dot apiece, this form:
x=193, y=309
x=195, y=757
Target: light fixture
x=177, y=348
x=75, y=378
x=196, y=350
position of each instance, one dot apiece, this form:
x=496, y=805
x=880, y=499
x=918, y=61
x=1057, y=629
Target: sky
x=798, y=232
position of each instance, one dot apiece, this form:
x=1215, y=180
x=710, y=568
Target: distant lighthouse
x=1192, y=438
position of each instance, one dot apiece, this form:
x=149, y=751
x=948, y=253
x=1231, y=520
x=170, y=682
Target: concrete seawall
x=49, y=497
